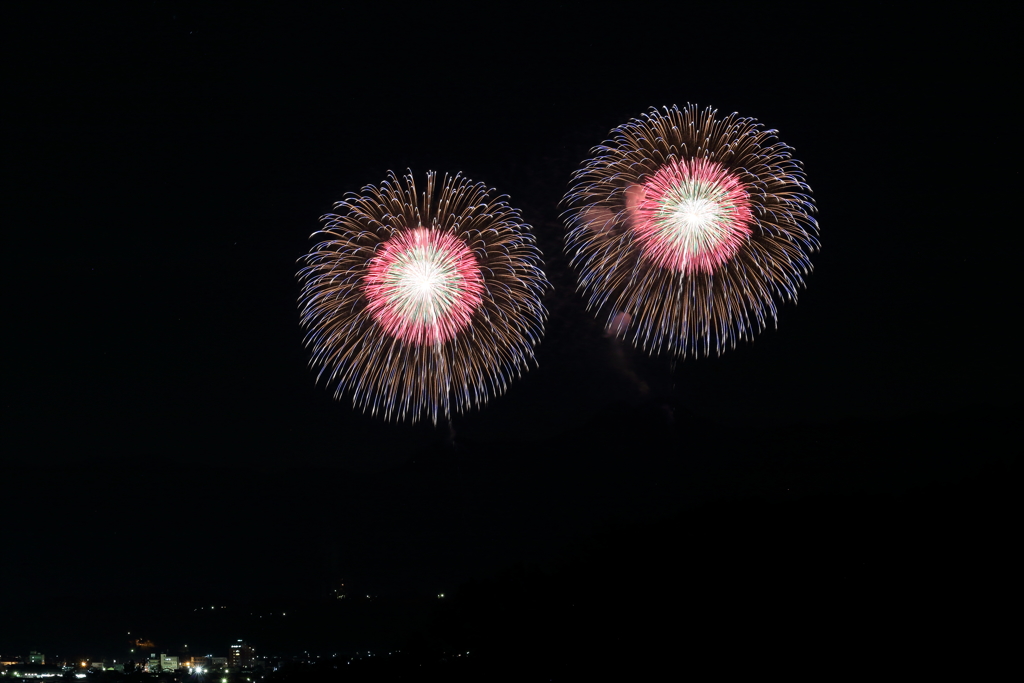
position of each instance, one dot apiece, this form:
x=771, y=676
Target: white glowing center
x=422, y=276
x=424, y=284
x=696, y=215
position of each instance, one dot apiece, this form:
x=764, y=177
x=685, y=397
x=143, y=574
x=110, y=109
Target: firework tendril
x=687, y=228
x=422, y=303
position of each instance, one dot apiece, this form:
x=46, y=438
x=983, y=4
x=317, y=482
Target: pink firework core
x=423, y=286
x=690, y=216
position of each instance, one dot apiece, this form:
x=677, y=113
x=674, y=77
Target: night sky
x=166, y=445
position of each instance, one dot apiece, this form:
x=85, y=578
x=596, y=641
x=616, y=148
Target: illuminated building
x=162, y=663
x=242, y=655
x=196, y=662
x=36, y=658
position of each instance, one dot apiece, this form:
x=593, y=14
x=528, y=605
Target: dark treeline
x=881, y=547
x=839, y=584
x=842, y=581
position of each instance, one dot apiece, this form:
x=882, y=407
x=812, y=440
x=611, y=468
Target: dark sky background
x=164, y=440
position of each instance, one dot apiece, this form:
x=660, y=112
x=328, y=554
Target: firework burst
x=422, y=302
x=687, y=228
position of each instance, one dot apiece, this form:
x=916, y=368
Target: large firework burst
x=686, y=228
x=422, y=302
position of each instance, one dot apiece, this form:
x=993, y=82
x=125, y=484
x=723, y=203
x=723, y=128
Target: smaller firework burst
x=422, y=302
